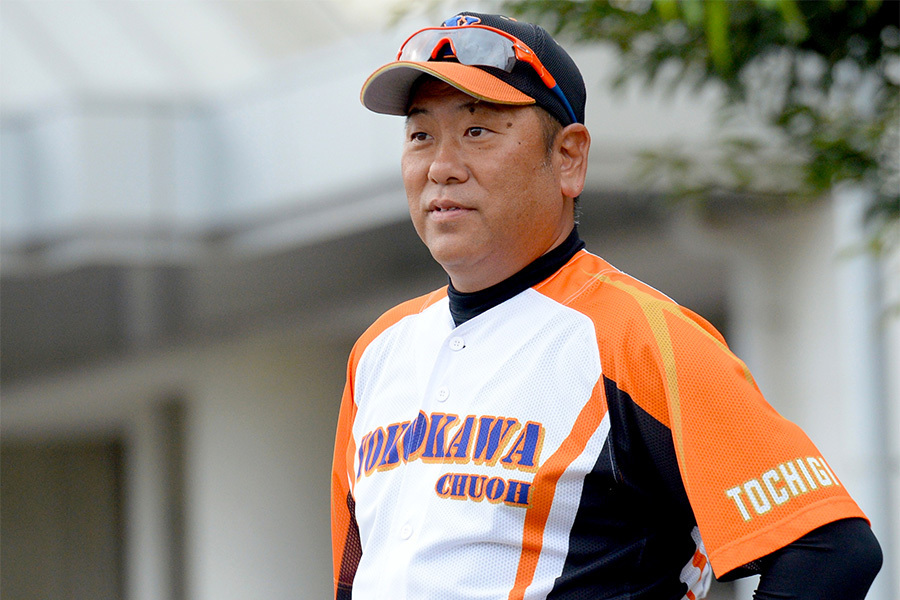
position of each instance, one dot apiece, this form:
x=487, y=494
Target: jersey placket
x=412, y=510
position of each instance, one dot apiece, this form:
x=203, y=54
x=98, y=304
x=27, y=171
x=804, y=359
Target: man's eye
x=418, y=136
x=475, y=131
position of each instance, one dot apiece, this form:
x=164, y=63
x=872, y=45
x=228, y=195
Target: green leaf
x=693, y=11
x=778, y=62
x=795, y=25
x=873, y=5
x=717, y=35
x=667, y=9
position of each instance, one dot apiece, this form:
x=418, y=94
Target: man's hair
x=550, y=126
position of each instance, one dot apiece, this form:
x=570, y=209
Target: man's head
x=490, y=172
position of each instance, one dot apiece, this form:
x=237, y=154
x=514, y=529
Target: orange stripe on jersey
x=699, y=560
x=341, y=483
x=547, y=477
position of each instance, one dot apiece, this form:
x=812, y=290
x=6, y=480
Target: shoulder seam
x=591, y=280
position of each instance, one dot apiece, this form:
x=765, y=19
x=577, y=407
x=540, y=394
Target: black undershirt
x=836, y=561
x=464, y=306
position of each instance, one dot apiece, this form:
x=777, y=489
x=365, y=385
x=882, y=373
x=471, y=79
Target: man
x=547, y=426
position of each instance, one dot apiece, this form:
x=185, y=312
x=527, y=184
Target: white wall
x=259, y=460
x=259, y=425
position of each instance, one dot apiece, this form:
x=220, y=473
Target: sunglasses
x=478, y=45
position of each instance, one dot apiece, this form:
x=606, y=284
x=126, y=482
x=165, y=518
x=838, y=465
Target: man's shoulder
x=396, y=314
x=595, y=286
x=616, y=301
x=409, y=307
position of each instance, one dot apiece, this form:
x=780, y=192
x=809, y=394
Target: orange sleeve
x=754, y=479
x=345, y=544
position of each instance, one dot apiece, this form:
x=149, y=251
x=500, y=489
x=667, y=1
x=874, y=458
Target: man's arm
x=345, y=542
x=836, y=561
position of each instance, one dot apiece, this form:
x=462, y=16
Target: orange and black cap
x=387, y=90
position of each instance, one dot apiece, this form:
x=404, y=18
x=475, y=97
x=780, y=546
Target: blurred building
x=198, y=218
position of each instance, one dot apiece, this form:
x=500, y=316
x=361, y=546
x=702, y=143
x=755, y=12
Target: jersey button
x=443, y=393
x=457, y=344
x=406, y=531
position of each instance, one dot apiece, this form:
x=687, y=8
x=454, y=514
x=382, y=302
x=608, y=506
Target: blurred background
x=198, y=218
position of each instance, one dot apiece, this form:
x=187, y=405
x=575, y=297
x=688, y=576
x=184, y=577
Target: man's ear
x=573, y=143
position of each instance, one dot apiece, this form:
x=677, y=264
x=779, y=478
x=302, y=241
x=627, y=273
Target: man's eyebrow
x=468, y=106
x=476, y=104
x=415, y=111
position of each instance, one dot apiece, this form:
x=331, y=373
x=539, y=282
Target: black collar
x=464, y=306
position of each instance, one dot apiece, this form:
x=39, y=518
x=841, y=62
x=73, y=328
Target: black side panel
x=352, y=555
x=632, y=533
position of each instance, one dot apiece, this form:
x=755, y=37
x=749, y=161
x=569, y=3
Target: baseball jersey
x=585, y=438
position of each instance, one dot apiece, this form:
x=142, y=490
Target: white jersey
x=558, y=445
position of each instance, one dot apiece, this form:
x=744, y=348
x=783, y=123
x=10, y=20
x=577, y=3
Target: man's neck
x=464, y=306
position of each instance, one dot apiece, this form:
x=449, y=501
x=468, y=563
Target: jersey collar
x=464, y=306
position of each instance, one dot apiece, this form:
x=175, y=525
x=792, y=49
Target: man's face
x=483, y=193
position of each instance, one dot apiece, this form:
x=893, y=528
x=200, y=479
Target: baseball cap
x=518, y=82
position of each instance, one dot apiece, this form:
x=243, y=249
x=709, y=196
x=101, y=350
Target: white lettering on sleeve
x=735, y=493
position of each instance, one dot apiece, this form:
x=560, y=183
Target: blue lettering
x=442, y=487
x=494, y=489
x=517, y=492
x=435, y=448
x=360, y=455
x=391, y=454
x=374, y=450
x=458, y=489
x=525, y=452
x=492, y=435
x=476, y=487
x=414, y=438
x=461, y=443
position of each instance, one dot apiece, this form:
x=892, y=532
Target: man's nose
x=448, y=164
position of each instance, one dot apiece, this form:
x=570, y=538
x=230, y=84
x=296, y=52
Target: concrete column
x=861, y=330
x=260, y=438
x=890, y=271
x=153, y=553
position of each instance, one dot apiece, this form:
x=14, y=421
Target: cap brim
x=387, y=89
